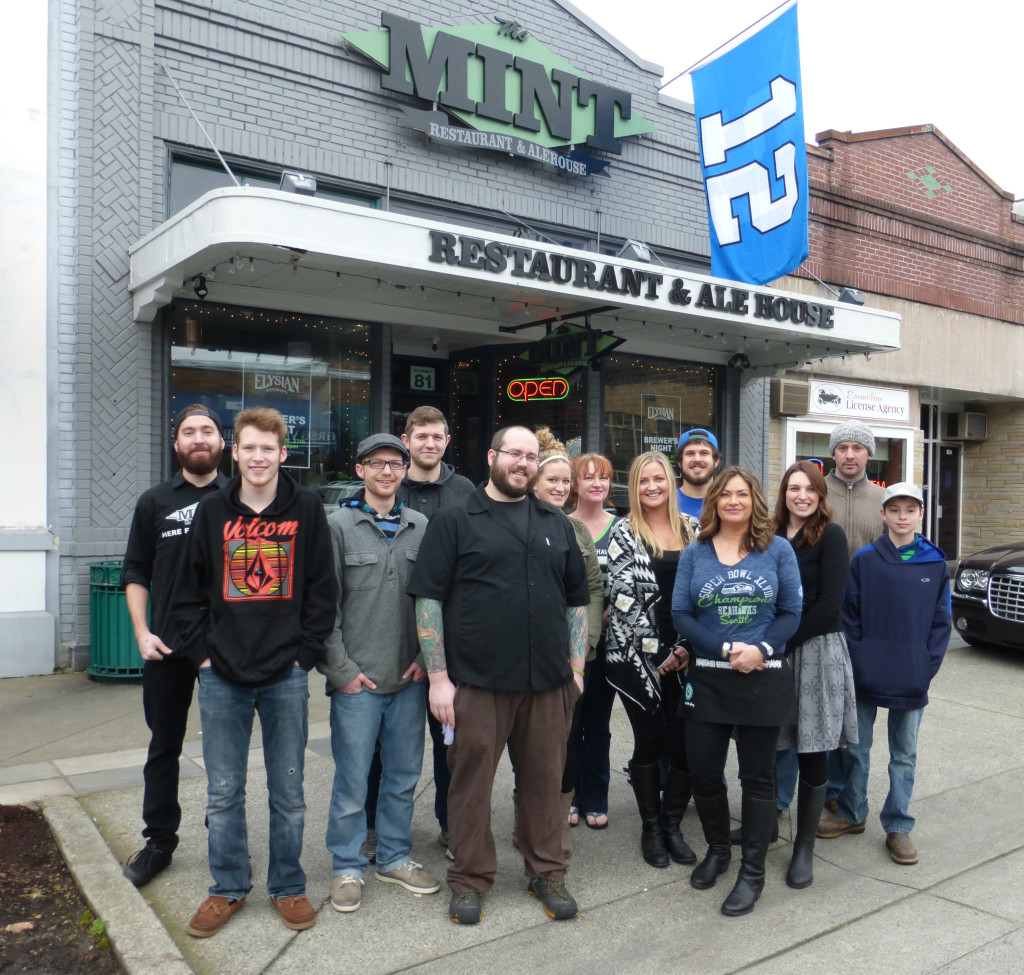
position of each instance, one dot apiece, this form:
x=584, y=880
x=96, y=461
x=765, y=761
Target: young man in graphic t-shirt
x=255, y=601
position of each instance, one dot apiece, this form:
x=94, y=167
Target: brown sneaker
x=832, y=805
x=832, y=825
x=296, y=911
x=212, y=915
x=901, y=848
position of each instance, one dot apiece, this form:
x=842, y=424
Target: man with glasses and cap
x=156, y=542
x=374, y=677
x=697, y=458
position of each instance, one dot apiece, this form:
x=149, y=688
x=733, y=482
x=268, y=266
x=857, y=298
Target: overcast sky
x=875, y=64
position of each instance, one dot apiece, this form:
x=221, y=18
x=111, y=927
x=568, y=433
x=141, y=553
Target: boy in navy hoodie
x=897, y=619
x=255, y=600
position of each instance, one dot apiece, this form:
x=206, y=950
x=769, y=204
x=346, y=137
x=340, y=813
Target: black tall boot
x=758, y=817
x=673, y=805
x=809, y=803
x=646, y=781
x=736, y=836
x=714, y=818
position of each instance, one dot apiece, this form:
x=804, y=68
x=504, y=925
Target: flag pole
x=699, y=61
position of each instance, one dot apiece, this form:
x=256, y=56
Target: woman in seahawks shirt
x=737, y=600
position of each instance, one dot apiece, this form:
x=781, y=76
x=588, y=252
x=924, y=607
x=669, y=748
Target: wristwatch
x=767, y=649
x=726, y=648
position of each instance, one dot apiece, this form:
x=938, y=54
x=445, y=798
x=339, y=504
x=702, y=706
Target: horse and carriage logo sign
x=863, y=402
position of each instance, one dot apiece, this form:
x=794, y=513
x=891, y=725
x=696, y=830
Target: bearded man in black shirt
x=501, y=614
x=156, y=544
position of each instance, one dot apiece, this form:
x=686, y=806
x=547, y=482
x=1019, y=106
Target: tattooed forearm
x=430, y=632
x=577, y=637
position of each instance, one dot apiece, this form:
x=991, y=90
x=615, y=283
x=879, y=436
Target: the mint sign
x=570, y=347
x=438, y=128
x=500, y=80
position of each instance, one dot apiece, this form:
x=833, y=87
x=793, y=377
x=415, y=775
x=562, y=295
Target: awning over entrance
x=281, y=251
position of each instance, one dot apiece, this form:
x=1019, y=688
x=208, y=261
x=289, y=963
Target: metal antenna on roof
x=202, y=128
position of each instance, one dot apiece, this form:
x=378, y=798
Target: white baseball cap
x=903, y=489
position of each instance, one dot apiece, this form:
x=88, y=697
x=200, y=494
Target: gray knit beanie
x=852, y=431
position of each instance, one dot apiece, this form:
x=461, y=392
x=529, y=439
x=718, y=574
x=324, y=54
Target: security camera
x=435, y=342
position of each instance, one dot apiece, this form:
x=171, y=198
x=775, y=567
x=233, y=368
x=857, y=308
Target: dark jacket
x=257, y=593
x=824, y=568
x=429, y=497
x=897, y=618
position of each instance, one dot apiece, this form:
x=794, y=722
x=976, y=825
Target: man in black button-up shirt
x=501, y=607
x=156, y=544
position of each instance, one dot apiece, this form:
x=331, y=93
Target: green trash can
x=113, y=653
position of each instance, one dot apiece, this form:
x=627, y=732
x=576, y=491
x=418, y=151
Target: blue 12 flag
x=750, y=122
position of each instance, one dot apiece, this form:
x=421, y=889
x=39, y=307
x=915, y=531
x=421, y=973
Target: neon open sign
x=524, y=390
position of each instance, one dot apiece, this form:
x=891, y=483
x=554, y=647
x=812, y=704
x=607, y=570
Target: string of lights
x=796, y=353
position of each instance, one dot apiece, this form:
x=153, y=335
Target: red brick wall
x=873, y=227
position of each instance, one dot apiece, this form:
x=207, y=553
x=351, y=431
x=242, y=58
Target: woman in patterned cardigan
x=643, y=656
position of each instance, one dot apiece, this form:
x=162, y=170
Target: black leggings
x=651, y=727
x=707, y=745
x=813, y=767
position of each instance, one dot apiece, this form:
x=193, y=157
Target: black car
x=988, y=598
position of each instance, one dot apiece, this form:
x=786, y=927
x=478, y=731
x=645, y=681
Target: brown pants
x=535, y=726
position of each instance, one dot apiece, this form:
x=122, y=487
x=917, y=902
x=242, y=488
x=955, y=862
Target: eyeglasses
x=518, y=455
x=379, y=465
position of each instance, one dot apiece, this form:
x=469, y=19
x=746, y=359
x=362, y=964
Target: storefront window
x=469, y=444
x=529, y=398
x=315, y=371
x=648, y=402
x=191, y=178
x=889, y=465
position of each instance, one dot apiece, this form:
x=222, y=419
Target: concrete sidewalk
x=77, y=747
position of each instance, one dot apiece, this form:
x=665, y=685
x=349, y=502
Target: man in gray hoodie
x=430, y=484
x=374, y=677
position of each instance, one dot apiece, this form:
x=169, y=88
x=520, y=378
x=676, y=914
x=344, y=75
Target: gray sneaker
x=558, y=902
x=369, y=847
x=411, y=876
x=444, y=840
x=346, y=892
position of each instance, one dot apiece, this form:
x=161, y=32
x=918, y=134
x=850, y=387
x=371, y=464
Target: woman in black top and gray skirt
x=826, y=704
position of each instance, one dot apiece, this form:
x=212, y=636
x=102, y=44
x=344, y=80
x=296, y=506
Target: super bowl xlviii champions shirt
x=757, y=599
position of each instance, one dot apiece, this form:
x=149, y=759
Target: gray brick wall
x=273, y=83
x=754, y=428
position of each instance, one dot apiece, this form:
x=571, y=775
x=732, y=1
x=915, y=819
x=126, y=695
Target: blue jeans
x=442, y=777
x=853, y=800
x=836, y=773
x=227, y=711
x=357, y=720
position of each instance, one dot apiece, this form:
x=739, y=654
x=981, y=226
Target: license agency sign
x=863, y=402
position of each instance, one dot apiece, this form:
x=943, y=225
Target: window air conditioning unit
x=790, y=397
x=966, y=426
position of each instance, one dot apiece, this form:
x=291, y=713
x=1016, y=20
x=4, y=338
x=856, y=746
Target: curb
x=136, y=935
